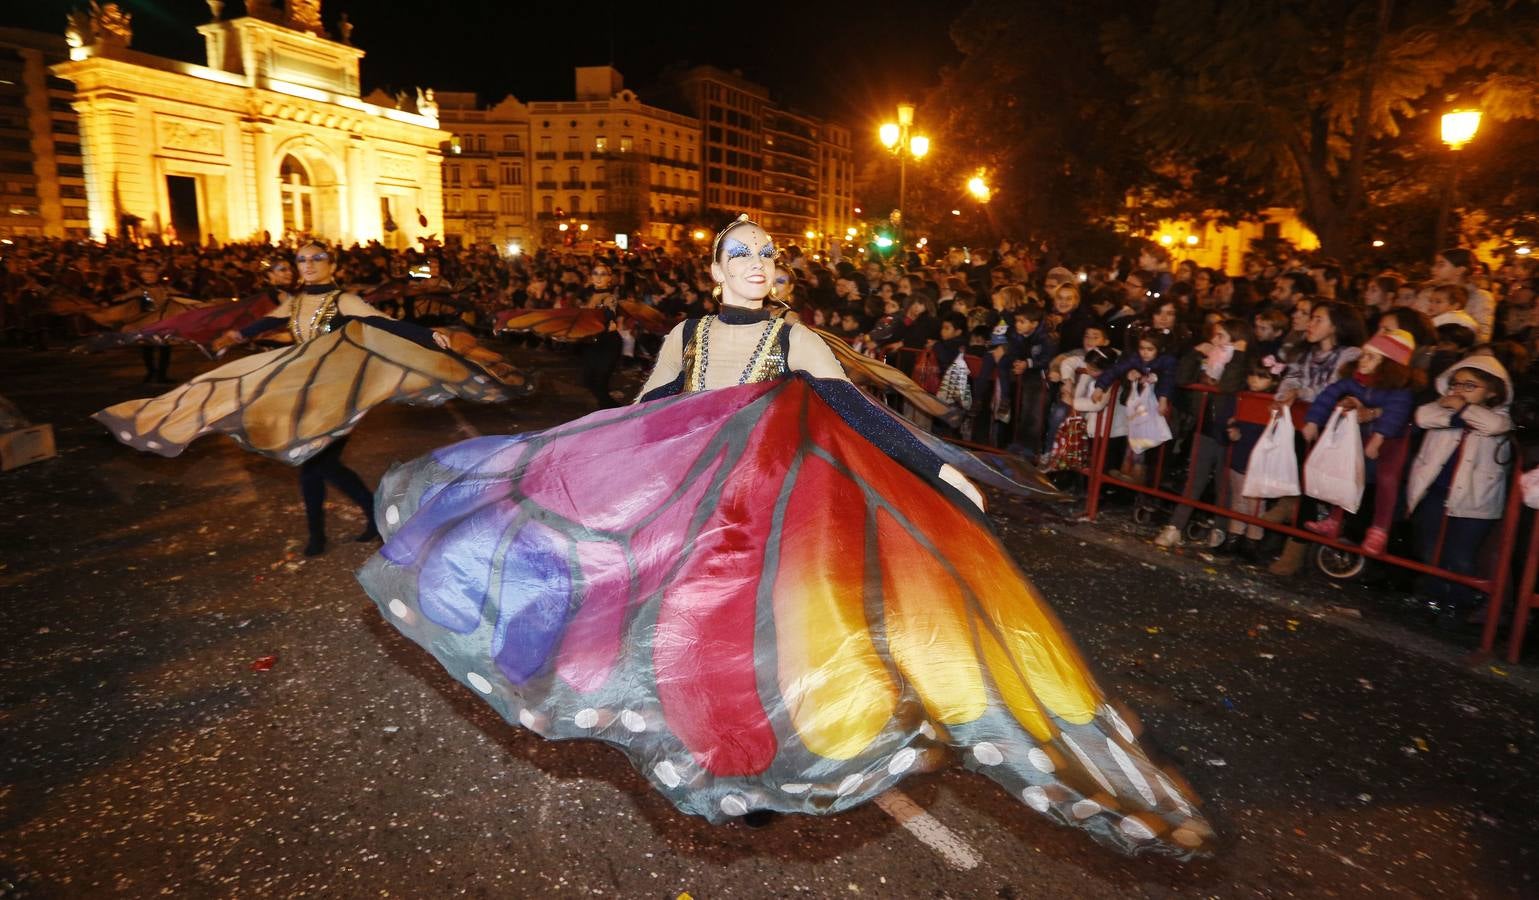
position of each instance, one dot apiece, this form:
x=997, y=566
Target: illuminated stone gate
x=271, y=137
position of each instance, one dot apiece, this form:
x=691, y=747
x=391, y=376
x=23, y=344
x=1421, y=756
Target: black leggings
x=157, y=360
x=327, y=466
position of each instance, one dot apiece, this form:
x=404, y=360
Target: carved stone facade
x=270, y=138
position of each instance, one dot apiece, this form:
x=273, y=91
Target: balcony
x=574, y=185
x=545, y=154
x=572, y=154
x=599, y=185
x=483, y=183
x=545, y=185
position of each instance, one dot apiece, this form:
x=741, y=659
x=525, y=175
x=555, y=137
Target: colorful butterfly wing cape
x=290, y=403
x=567, y=324
x=199, y=325
x=762, y=609
x=868, y=372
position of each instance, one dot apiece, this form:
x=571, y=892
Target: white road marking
x=466, y=428
x=928, y=830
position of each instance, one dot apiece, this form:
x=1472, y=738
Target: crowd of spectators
x=1435, y=362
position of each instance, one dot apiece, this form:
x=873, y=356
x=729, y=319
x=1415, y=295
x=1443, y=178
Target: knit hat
x=1060, y=275
x=1456, y=317
x=1393, y=344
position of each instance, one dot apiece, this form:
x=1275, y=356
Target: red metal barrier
x=1494, y=586
x=1257, y=408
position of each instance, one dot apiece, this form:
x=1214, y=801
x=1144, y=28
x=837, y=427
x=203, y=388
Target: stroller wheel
x=1197, y=532
x=1341, y=565
x=1142, y=514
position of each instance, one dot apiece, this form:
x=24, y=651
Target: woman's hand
x=1451, y=401
x=1311, y=431
x=1347, y=404
x=1097, y=395
x=1133, y=376
x=1234, y=433
x=1165, y=407
x=1371, y=449
x=227, y=340
x=441, y=339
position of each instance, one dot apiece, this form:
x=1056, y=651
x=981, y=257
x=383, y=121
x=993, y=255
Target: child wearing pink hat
x=1380, y=385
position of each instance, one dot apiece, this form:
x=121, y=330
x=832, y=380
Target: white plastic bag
x=1146, y=427
x=1274, y=465
x=1530, y=483
x=956, y=385
x=1333, y=473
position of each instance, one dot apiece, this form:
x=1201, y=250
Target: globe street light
x=1459, y=127
x=898, y=140
x=979, y=188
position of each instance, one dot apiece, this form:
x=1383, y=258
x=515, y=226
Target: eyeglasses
x=317, y=258
x=1465, y=385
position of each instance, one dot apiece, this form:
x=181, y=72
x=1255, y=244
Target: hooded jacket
x=1478, y=434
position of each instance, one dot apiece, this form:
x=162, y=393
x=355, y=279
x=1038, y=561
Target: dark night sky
x=850, y=61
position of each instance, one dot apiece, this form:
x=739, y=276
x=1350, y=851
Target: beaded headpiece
x=742, y=219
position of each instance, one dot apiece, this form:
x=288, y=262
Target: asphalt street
x=191, y=708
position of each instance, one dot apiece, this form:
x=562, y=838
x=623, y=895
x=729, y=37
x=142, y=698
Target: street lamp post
x=899, y=140
x=1459, y=128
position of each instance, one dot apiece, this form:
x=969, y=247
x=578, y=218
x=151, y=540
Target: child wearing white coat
x=1462, y=469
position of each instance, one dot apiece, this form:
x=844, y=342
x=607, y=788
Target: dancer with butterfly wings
x=767, y=592
x=298, y=404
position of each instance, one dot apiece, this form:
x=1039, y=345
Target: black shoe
x=368, y=535
x=760, y=818
x=317, y=545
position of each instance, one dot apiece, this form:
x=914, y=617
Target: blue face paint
x=736, y=249
x=768, y=252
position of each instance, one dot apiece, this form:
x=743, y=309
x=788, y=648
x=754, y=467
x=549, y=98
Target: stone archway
x=310, y=191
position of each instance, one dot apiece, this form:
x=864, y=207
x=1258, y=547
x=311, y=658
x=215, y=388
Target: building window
x=574, y=204
x=481, y=143
x=481, y=174
x=512, y=203
x=601, y=145
x=454, y=175
x=572, y=141
x=297, y=196
x=452, y=201
x=547, y=173
x=511, y=143
x=573, y=173
x=627, y=143
x=480, y=203
x=547, y=204
x=600, y=174
x=512, y=174
x=544, y=143
x=598, y=205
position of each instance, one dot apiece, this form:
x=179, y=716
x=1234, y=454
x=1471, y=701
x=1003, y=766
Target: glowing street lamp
x=900, y=142
x=1459, y=127
x=1191, y=240
x=583, y=228
x=562, y=227
x=979, y=188
x=699, y=235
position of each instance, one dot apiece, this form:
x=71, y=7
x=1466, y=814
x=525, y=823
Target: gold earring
x=716, y=292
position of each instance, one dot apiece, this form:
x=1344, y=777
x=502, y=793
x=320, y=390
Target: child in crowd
x=1454, y=342
x=1152, y=365
x=1064, y=369
x=1262, y=378
x=1380, y=386
x=1445, y=305
x=1029, y=356
x=1071, y=441
x=1461, y=471
x=1269, y=326
x=1221, y=361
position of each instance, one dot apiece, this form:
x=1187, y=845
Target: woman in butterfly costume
x=298, y=404
x=767, y=592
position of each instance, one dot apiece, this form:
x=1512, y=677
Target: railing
x=1256, y=409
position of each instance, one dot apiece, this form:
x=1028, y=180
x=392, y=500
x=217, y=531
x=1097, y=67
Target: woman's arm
x=670, y=362
x=808, y=354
